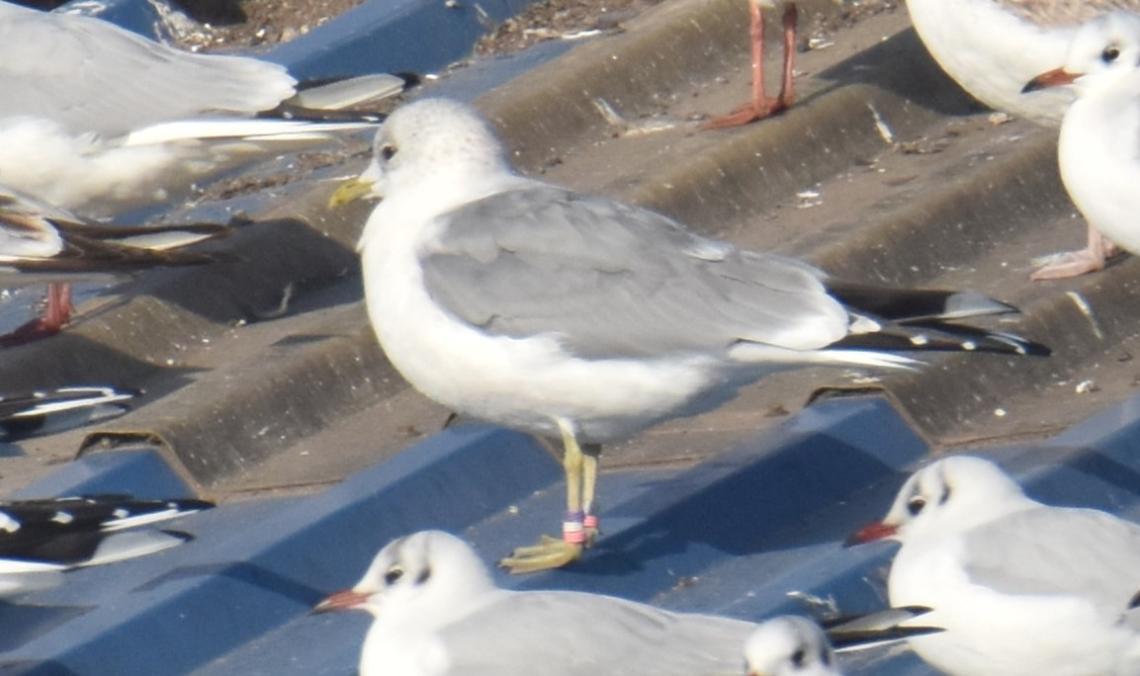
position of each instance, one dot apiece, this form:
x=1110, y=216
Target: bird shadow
x=815, y=493
x=923, y=82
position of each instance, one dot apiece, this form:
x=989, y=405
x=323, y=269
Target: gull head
x=789, y=646
x=945, y=497
x=429, y=142
x=427, y=572
x=1103, y=51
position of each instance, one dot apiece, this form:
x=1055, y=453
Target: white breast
x=1098, y=153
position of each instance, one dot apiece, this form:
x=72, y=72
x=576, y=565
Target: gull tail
x=133, y=544
x=151, y=237
x=103, y=512
x=907, y=305
x=894, y=320
x=61, y=533
x=93, y=248
x=328, y=100
x=848, y=634
x=48, y=411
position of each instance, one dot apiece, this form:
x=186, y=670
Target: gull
x=789, y=646
x=41, y=242
x=42, y=538
x=992, y=47
x=100, y=120
x=40, y=412
x=1099, y=149
x=436, y=611
x=760, y=105
x=1019, y=587
x=574, y=316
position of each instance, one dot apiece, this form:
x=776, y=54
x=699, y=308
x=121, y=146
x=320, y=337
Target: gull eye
x=1110, y=54
x=915, y=505
x=387, y=152
x=798, y=657
x=394, y=573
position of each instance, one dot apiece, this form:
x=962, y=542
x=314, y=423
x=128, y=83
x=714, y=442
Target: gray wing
x=1068, y=13
x=613, y=280
x=1058, y=551
x=571, y=634
x=90, y=75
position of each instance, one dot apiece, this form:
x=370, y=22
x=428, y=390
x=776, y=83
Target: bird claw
x=1066, y=264
x=746, y=114
x=36, y=329
x=548, y=554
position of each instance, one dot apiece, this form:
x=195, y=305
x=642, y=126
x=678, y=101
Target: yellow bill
x=350, y=191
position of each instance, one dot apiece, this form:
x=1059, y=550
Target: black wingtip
x=190, y=504
x=857, y=640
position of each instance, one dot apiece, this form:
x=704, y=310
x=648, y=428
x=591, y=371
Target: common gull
x=571, y=315
x=1020, y=587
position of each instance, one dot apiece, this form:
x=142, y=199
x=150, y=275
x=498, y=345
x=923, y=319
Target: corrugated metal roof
x=726, y=512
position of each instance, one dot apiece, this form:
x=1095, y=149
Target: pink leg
x=55, y=316
x=788, y=85
x=761, y=106
x=1075, y=263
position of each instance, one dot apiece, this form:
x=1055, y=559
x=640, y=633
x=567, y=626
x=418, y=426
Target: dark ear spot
x=945, y=494
x=424, y=576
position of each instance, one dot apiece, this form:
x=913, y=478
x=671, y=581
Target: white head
x=1103, y=52
x=426, y=574
x=948, y=496
x=789, y=646
x=428, y=140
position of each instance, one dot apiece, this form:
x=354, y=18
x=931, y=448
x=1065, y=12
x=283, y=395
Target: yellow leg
x=551, y=552
x=590, y=457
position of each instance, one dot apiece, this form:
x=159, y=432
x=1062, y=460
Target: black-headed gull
x=992, y=47
x=41, y=242
x=1021, y=588
x=760, y=105
x=39, y=539
x=579, y=317
x=789, y=646
x=1099, y=150
x=436, y=611
x=99, y=120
